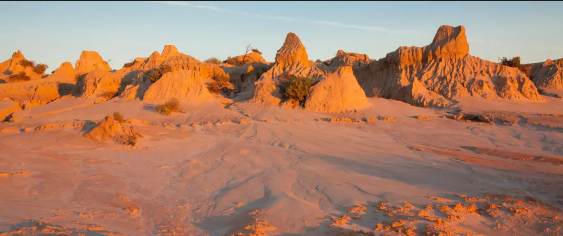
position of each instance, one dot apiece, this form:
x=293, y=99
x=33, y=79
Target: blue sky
x=55, y=32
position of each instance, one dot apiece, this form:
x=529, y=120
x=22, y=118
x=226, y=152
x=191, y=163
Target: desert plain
x=425, y=141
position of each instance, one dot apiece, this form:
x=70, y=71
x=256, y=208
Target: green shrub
x=220, y=84
x=40, y=68
x=19, y=77
x=118, y=117
x=156, y=73
x=213, y=60
x=173, y=105
x=298, y=88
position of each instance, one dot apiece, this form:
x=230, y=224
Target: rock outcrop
x=111, y=129
x=65, y=68
x=170, y=56
x=444, y=68
x=338, y=92
x=250, y=58
x=90, y=61
x=184, y=85
x=348, y=59
x=35, y=91
x=548, y=75
x=291, y=59
x=96, y=83
x=14, y=66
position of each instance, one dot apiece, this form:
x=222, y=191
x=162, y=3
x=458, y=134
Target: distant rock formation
x=184, y=85
x=444, y=68
x=338, y=92
x=348, y=59
x=250, y=58
x=111, y=129
x=291, y=59
x=65, y=68
x=548, y=75
x=14, y=66
x=90, y=61
x=170, y=56
x=96, y=83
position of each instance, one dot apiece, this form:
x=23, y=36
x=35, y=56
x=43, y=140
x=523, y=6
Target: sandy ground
x=222, y=170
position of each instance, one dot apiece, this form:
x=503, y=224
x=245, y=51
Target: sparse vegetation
x=220, y=84
x=515, y=62
x=27, y=63
x=256, y=51
x=39, y=68
x=233, y=61
x=156, y=73
x=298, y=88
x=19, y=77
x=173, y=105
x=129, y=64
x=213, y=60
x=118, y=117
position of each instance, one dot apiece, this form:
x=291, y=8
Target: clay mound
x=445, y=68
x=291, y=59
x=110, y=129
x=184, y=85
x=97, y=83
x=250, y=58
x=65, y=68
x=339, y=92
x=90, y=61
x=137, y=88
x=548, y=75
x=349, y=59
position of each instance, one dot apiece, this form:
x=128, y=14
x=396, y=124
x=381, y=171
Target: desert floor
x=219, y=169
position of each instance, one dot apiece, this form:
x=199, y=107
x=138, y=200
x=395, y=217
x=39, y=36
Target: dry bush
x=27, y=63
x=220, y=84
x=213, y=60
x=129, y=64
x=108, y=94
x=298, y=88
x=40, y=68
x=256, y=51
x=19, y=77
x=233, y=61
x=156, y=73
x=515, y=62
x=118, y=117
x=376, y=92
x=173, y=105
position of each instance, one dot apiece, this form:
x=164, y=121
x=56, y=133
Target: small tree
x=248, y=49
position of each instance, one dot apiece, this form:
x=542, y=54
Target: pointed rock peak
x=154, y=54
x=90, y=55
x=89, y=61
x=340, y=53
x=18, y=55
x=292, y=52
x=170, y=51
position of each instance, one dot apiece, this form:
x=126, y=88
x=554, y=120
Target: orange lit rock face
x=90, y=61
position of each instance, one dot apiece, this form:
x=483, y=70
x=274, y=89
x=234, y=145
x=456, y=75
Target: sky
x=56, y=32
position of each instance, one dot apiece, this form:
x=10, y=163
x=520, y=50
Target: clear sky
x=55, y=32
